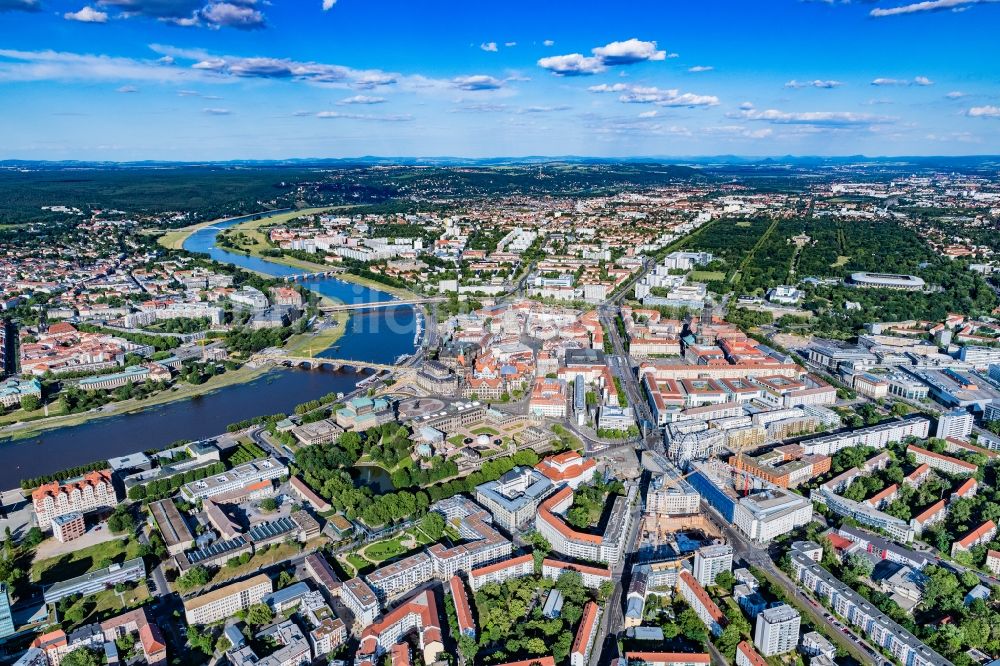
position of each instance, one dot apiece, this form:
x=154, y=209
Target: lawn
x=261, y=560
x=82, y=561
x=384, y=550
x=108, y=603
x=457, y=440
x=485, y=431
x=358, y=562
x=841, y=260
x=708, y=276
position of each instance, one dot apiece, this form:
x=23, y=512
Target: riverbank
x=178, y=392
x=251, y=230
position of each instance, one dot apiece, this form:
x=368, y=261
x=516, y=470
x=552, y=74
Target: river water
x=378, y=336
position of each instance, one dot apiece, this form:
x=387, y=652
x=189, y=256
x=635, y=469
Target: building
x=583, y=642
x=770, y=513
x=359, y=598
x=68, y=526
x=140, y=624
x=323, y=431
x=992, y=564
x=130, y=571
x=463, y=612
x=419, y=614
x=14, y=389
x=815, y=644
x=957, y=423
x=882, y=548
x=777, y=630
x=548, y=398
x=362, y=413
x=226, y=601
x=696, y=597
x=887, y=281
x=982, y=534
x=592, y=577
x=671, y=495
x=513, y=499
x=174, y=530
x=568, y=467
x=608, y=547
x=860, y=613
x=6, y=618
x=393, y=580
x=92, y=491
x=640, y=658
x=876, y=436
x=747, y=656
x=710, y=561
x=553, y=604
x=237, y=483
x=307, y=494
x=942, y=462
x=500, y=572
x=871, y=385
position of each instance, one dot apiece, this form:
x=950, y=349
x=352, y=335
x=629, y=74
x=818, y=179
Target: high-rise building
x=91, y=492
x=956, y=423
x=710, y=561
x=777, y=630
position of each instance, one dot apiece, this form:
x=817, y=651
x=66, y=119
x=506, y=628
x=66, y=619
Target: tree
x=725, y=580
x=30, y=403
x=33, y=537
x=259, y=614
x=194, y=577
x=121, y=521
x=432, y=525
x=82, y=657
x=268, y=504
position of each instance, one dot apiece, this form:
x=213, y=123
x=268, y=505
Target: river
x=378, y=336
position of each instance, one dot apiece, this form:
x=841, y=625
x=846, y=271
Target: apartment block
x=92, y=491
x=227, y=601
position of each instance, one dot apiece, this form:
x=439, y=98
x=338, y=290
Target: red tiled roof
x=751, y=654
x=582, y=568
x=545, y=513
x=977, y=533
x=930, y=512
x=702, y=595
x=535, y=661
x=500, y=566
x=461, y=600
x=585, y=634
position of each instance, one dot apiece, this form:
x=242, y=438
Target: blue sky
x=244, y=79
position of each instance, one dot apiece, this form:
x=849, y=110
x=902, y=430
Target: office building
x=92, y=491
x=68, y=526
x=226, y=601
x=710, y=561
x=770, y=513
x=238, y=483
x=777, y=630
x=130, y=571
x=513, y=499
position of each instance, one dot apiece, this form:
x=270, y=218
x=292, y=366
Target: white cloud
x=818, y=118
x=573, y=64
x=628, y=52
x=673, y=55
x=241, y=14
x=985, y=112
x=328, y=5
x=548, y=42
x=700, y=68
x=359, y=116
x=928, y=6
x=916, y=81
x=510, y=44
x=956, y=94
x=61, y=66
x=489, y=46
x=816, y=83
x=362, y=99
x=87, y=15
x=217, y=112
x=476, y=82
x=649, y=114
x=127, y=89
x=631, y=94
